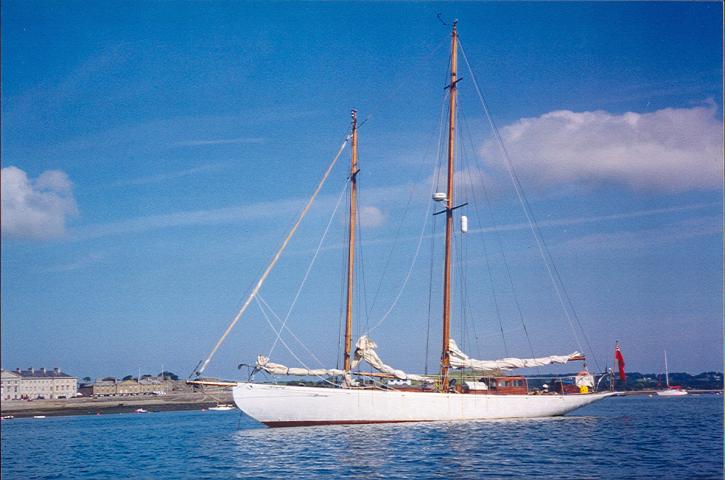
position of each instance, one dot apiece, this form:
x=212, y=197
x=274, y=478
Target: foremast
x=351, y=245
x=445, y=356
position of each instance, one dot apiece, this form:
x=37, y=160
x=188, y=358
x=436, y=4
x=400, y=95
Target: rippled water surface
x=631, y=437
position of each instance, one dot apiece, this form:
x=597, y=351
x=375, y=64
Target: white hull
x=281, y=405
x=672, y=392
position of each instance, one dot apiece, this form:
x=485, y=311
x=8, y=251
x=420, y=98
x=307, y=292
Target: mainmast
x=445, y=358
x=351, y=244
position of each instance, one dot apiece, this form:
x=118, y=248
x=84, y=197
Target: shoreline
x=111, y=405
x=632, y=393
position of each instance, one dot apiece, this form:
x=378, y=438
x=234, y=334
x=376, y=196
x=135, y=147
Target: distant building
x=147, y=386
x=41, y=383
x=155, y=386
x=10, y=388
x=102, y=388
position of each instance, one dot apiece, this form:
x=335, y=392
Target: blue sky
x=155, y=154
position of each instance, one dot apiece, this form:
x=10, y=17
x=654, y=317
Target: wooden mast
x=445, y=358
x=351, y=244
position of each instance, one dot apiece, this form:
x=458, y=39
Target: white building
x=10, y=385
x=42, y=383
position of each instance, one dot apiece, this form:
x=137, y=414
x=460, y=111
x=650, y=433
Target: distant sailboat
x=485, y=392
x=671, y=390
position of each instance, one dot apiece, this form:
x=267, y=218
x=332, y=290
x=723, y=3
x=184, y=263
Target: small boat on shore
x=222, y=407
x=140, y=410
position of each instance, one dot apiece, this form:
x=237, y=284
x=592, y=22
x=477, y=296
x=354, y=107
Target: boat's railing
x=484, y=383
x=468, y=382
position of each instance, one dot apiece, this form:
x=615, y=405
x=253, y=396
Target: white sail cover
x=263, y=363
x=365, y=350
x=459, y=359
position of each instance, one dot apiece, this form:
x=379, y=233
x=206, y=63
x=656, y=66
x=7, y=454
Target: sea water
x=621, y=438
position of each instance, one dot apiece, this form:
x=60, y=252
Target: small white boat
x=671, y=391
x=38, y=416
x=140, y=410
x=222, y=407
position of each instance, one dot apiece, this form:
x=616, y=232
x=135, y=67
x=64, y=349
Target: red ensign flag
x=620, y=362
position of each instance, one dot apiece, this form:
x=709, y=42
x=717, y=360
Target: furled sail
x=365, y=350
x=461, y=360
x=263, y=363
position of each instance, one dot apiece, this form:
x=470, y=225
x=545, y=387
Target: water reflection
x=466, y=449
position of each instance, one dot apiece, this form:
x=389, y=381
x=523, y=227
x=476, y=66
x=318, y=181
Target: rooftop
x=42, y=373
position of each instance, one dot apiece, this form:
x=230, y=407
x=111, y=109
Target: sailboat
x=671, y=390
x=485, y=392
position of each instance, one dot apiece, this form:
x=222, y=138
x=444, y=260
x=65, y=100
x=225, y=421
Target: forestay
x=461, y=360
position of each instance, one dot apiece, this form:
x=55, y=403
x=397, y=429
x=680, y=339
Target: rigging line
x=309, y=267
x=285, y=327
x=413, y=191
x=460, y=271
x=436, y=181
x=469, y=192
x=543, y=249
x=412, y=264
x=410, y=270
x=430, y=294
x=361, y=268
x=264, y=314
x=551, y=267
x=468, y=189
x=392, y=249
x=394, y=91
x=489, y=270
x=342, y=282
x=510, y=330
x=276, y=257
x=499, y=241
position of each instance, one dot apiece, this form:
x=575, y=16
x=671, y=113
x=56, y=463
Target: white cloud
x=647, y=238
x=35, y=208
x=217, y=216
x=671, y=150
x=162, y=177
x=371, y=217
x=222, y=141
